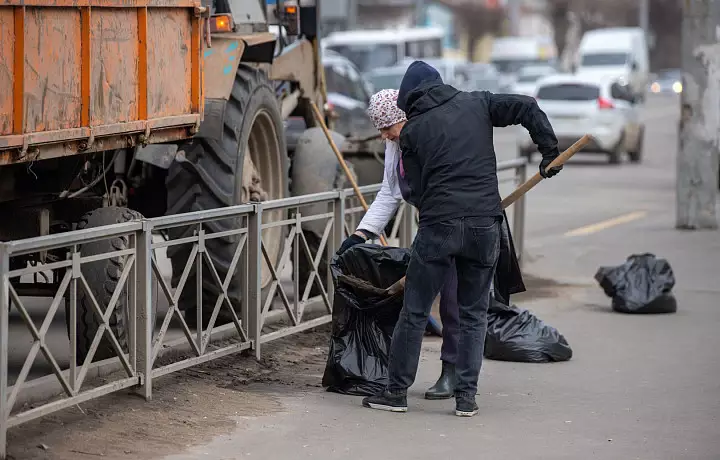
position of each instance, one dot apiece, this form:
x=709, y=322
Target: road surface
x=636, y=388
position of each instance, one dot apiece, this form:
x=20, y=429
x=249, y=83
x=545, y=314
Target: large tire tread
x=102, y=277
x=209, y=179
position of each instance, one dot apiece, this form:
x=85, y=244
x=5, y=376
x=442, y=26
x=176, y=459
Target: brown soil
x=190, y=407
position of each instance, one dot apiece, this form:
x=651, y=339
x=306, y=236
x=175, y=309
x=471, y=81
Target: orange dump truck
x=115, y=109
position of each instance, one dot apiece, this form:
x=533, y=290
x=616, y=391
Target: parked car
x=348, y=95
x=510, y=54
x=483, y=77
x=528, y=76
x=387, y=77
x=599, y=106
x=463, y=75
x=668, y=81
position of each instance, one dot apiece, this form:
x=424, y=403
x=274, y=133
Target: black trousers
x=473, y=243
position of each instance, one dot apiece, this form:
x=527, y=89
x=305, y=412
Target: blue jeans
x=473, y=244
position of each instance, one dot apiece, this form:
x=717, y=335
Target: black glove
x=544, y=165
x=354, y=239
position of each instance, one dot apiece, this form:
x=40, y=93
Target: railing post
x=4, y=341
x=242, y=267
x=336, y=237
x=143, y=296
x=254, y=276
x=406, y=226
x=519, y=216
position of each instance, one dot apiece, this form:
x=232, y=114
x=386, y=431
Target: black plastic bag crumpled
x=643, y=284
x=517, y=335
x=363, y=323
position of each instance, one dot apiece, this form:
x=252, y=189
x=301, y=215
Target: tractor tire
x=212, y=177
x=102, y=277
x=315, y=169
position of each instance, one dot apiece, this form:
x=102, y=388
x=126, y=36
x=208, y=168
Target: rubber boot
x=444, y=388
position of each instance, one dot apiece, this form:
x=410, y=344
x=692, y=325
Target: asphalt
x=637, y=387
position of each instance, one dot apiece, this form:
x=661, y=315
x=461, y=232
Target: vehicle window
x=672, y=74
x=386, y=81
x=337, y=79
x=514, y=65
x=528, y=78
x=423, y=49
x=568, y=92
x=604, y=59
x=368, y=57
x=357, y=90
x=621, y=92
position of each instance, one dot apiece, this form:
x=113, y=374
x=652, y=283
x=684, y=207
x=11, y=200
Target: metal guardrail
x=148, y=350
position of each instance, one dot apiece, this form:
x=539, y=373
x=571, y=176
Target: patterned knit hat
x=383, y=109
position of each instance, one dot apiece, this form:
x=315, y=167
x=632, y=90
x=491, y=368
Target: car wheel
x=615, y=155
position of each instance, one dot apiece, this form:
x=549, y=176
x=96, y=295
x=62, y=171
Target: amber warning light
x=221, y=23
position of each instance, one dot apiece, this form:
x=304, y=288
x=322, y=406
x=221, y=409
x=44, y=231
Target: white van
x=370, y=49
x=620, y=53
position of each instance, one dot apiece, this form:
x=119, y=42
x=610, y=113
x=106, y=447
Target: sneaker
x=466, y=408
x=386, y=401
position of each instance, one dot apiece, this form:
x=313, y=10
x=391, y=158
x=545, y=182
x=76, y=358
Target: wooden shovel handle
x=537, y=178
x=519, y=192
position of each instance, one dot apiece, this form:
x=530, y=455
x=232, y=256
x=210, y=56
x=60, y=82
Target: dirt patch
x=190, y=407
x=541, y=288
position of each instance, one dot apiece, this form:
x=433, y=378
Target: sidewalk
x=637, y=387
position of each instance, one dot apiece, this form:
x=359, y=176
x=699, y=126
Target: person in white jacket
x=389, y=120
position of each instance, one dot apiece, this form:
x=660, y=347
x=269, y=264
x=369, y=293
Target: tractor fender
x=221, y=61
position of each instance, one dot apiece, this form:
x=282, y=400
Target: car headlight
x=655, y=87
x=677, y=87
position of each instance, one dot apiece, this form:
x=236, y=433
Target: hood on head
x=422, y=89
x=418, y=74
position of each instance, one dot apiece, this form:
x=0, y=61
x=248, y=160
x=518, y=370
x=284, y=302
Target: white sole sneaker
x=462, y=413
x=386, y=408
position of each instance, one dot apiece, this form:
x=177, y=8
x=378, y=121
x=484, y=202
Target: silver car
x=601, y=107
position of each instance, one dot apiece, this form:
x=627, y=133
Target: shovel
x=399, y=286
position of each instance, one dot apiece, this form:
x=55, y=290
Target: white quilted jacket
x=388, y=198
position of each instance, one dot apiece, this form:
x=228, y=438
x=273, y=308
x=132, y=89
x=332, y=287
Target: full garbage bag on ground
x=517, y=335
x=364, y=318
x=643, y=284
x=363, y=321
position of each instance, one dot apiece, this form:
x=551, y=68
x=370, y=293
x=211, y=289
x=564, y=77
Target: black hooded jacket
x=447, y=144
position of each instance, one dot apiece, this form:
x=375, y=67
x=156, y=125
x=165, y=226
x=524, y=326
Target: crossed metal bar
x=140, y=361
x=296, y=237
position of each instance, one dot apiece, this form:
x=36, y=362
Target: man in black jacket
x=449, y=162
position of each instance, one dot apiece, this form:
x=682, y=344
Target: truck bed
x=80, y=76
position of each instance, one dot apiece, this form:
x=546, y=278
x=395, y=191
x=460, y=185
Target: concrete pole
x=514, y=16
x=697, y=160
x=644, y=16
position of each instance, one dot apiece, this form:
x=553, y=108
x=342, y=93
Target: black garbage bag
x=643, y=284
x=363, y=321
x=517, y=335
x=364, y=318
